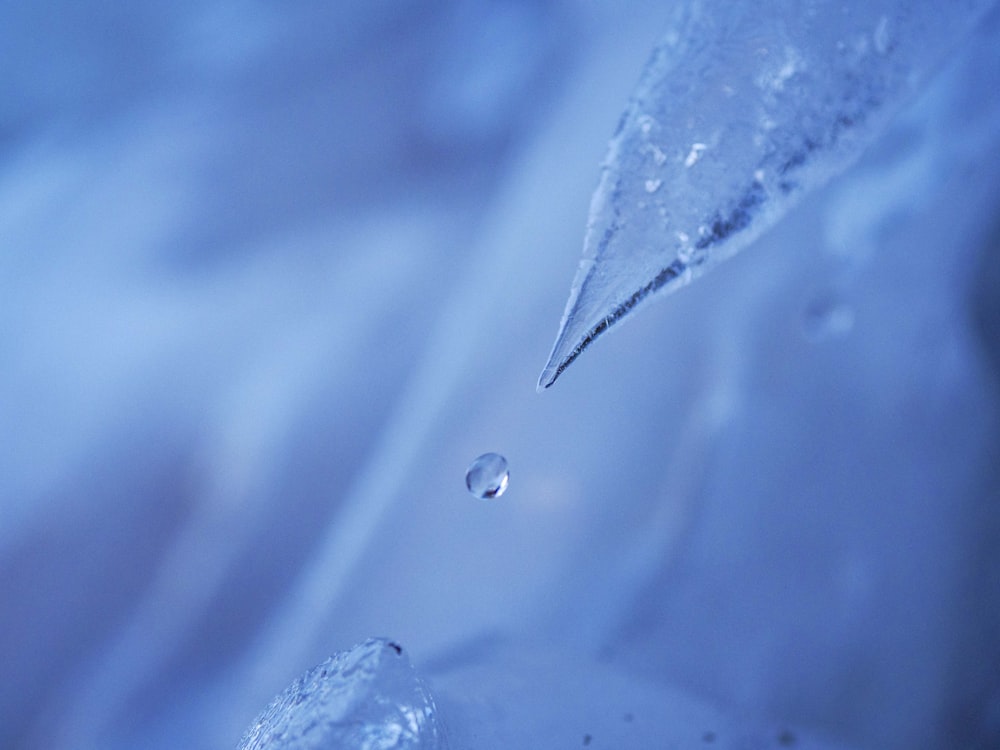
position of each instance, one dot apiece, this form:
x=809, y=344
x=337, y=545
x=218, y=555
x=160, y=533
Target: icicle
x=741, y=110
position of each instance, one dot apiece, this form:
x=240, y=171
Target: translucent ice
x=741, y=110
x=368, y=698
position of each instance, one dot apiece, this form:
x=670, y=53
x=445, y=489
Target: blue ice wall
x=272, y=275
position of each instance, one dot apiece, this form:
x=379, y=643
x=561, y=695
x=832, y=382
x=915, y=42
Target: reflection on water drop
x=487, y=476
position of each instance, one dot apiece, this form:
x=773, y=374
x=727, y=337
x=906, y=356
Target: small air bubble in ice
x=653, y=185
x=659, y=158
x=695, y=154
x=487, y=476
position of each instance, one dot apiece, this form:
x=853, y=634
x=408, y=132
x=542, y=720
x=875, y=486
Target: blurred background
x=273, y=274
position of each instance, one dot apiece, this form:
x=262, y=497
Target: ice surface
x=494, y=697
x=741, y=110
x=367, y=698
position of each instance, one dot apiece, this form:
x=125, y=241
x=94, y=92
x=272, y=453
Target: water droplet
x=487, y=476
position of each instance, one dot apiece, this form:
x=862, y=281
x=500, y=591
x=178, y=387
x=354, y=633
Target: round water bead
x=487, y=476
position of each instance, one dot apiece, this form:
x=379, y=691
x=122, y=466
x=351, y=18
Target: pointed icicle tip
x=574, y=336
x=548, y=377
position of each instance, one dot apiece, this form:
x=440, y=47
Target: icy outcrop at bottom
x=496, y=695
x=367, y=698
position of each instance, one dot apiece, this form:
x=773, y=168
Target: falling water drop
x=487, y=476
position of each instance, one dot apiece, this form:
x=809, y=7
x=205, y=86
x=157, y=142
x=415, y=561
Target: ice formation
x=259, y=310
x=367, y=698
x=741, y=110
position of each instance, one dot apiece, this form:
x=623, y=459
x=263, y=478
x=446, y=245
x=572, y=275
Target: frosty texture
x=368, y=698
x=740, y=111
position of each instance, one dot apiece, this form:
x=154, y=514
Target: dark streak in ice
x=666, y=275
x=739, y=218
